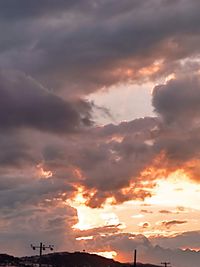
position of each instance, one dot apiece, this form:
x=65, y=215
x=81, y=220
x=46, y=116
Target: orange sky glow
x=173, y=198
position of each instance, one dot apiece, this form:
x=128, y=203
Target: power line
x=41, y=247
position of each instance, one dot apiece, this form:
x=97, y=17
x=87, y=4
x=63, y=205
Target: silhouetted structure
x=41, y=247
x=135, y=258
x=166, y=264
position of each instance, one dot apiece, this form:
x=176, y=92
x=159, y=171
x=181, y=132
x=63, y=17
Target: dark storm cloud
x=122, y=243
x=105, y=163
x=35, y=9
x=14, y=151
x=93, y=159
x=178, y=100
x=177, y=104
x=99, y=53
x=113, y=157
x=13, y=9
x=109, y=162
x=82, y=46
x=25, y=103
x=32, y=224
x=19, y=191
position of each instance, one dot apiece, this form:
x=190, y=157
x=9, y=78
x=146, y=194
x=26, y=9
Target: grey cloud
x=114, y=164
x=107, y=229
x=30, y=225
x=18, y=192
x=112, y=158
x=88, y=151
x=110, y=47
x=182, y=240
x=137, y=127
x=20, y=10
x=15, y=151
x=83, y=55
x=107, y=160
x=94, y=159
x=25, y=103
x=177, y=257
x=177, y=105
x=177, y=101
x=148, y=251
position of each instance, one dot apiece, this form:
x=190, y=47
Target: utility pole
x=166, y=264
x=41, y=247
x=135, y=258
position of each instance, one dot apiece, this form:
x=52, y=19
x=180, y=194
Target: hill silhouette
x=66, y=259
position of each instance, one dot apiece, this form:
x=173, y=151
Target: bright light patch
x=166, y=192
x=177, y=195
x=121, y=105
x=151, y=69
x=171, y=76
x=44, y=173
x=79, y=199
x=137, y=216
x=84, y=238
x=82, y=222
x=107, y=254
x=110, y=218
x=191, y=248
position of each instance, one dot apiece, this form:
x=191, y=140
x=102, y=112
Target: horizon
x=77, y=252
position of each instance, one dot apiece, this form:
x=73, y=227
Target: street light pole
x=135, y=258
x=41, y=247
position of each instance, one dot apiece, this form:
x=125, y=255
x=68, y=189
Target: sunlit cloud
x=100, y=126
x=44, y=173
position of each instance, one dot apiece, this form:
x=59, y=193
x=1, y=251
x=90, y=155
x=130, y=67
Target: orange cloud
x=169, y=224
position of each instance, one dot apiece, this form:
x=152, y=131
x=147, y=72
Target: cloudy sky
x=100, y=128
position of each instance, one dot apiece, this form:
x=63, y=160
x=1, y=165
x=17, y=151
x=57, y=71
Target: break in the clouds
x=53, y=55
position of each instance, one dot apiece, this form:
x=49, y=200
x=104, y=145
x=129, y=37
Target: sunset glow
x=107, y=254
x=100, y=130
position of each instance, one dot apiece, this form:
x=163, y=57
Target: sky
x=100, y=128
